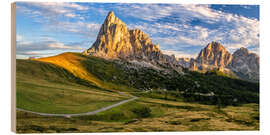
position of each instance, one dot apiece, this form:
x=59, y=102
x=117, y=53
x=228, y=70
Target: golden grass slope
x=71, y=62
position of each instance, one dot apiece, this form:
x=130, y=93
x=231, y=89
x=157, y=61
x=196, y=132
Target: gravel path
x=81, y=114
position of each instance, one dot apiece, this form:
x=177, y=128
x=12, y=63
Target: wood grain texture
x=13, y=67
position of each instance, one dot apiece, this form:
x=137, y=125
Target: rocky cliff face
x=245, y=64
x=143, y=47
x=193, y=66
x=185, y=62
x=113, y=40
x=116, y=41
x=213, y=56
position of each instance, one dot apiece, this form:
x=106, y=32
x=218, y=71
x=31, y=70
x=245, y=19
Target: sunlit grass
x=42, y=87
x=71, y=62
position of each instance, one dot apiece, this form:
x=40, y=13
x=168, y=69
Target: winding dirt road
x=81, y=114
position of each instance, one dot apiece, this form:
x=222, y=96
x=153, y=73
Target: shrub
x=142, y=111
x=37, y=128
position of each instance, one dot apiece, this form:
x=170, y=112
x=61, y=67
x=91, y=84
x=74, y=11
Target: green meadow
x=71, y=83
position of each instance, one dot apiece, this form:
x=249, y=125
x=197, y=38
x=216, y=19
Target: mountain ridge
x=213, y=54
x=242, y=63
x=116, y=41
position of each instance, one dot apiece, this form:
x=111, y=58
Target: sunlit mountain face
x=46, y=29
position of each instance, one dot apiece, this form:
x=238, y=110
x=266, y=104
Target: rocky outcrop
x=143, y=47
x=213, y=56
x=116, y=41
x=193, y=66
x=113, y=40
x=245, y=64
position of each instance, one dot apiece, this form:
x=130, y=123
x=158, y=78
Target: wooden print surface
x=116, y=67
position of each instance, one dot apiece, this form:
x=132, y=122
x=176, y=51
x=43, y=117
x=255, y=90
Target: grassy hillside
x=71, y=62
x=95, y=70
x=125, y=76
x=168, y=101
x=44, y=87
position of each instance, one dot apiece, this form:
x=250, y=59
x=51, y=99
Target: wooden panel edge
x=13, y=67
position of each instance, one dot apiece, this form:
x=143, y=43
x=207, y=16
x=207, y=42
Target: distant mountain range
x=116, y=41
x=214, y=56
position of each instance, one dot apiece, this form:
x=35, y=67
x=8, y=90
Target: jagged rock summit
x=214, y=55
x=113, y=40
x=116, y=41
x=241, y=63
x=245, y=64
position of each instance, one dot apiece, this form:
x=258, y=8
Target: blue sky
x=45, y=29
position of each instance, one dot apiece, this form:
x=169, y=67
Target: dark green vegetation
x=169, y=101
x=123, y=113
x=228, y=91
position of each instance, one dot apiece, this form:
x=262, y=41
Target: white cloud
x=70, y=15
x=201, y=11
x=180, y=54
x=229, y=29
x=19, y=37
x=46, y=45
x=58, y=45
x=87, y=30
x=153, y=12
x=60, y=7
x=51, y=11
x=31, y=53
x=188, y=40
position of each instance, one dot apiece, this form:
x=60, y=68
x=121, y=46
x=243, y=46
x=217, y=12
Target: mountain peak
x=110, y=16
x=112, y=19
x=214, y=43
x=112, y=40
x=244, y=50
x=214, y=54
x=215, y=46
x=111, y=13
x=241, y=52
x=246, y=63
x=116, y=41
